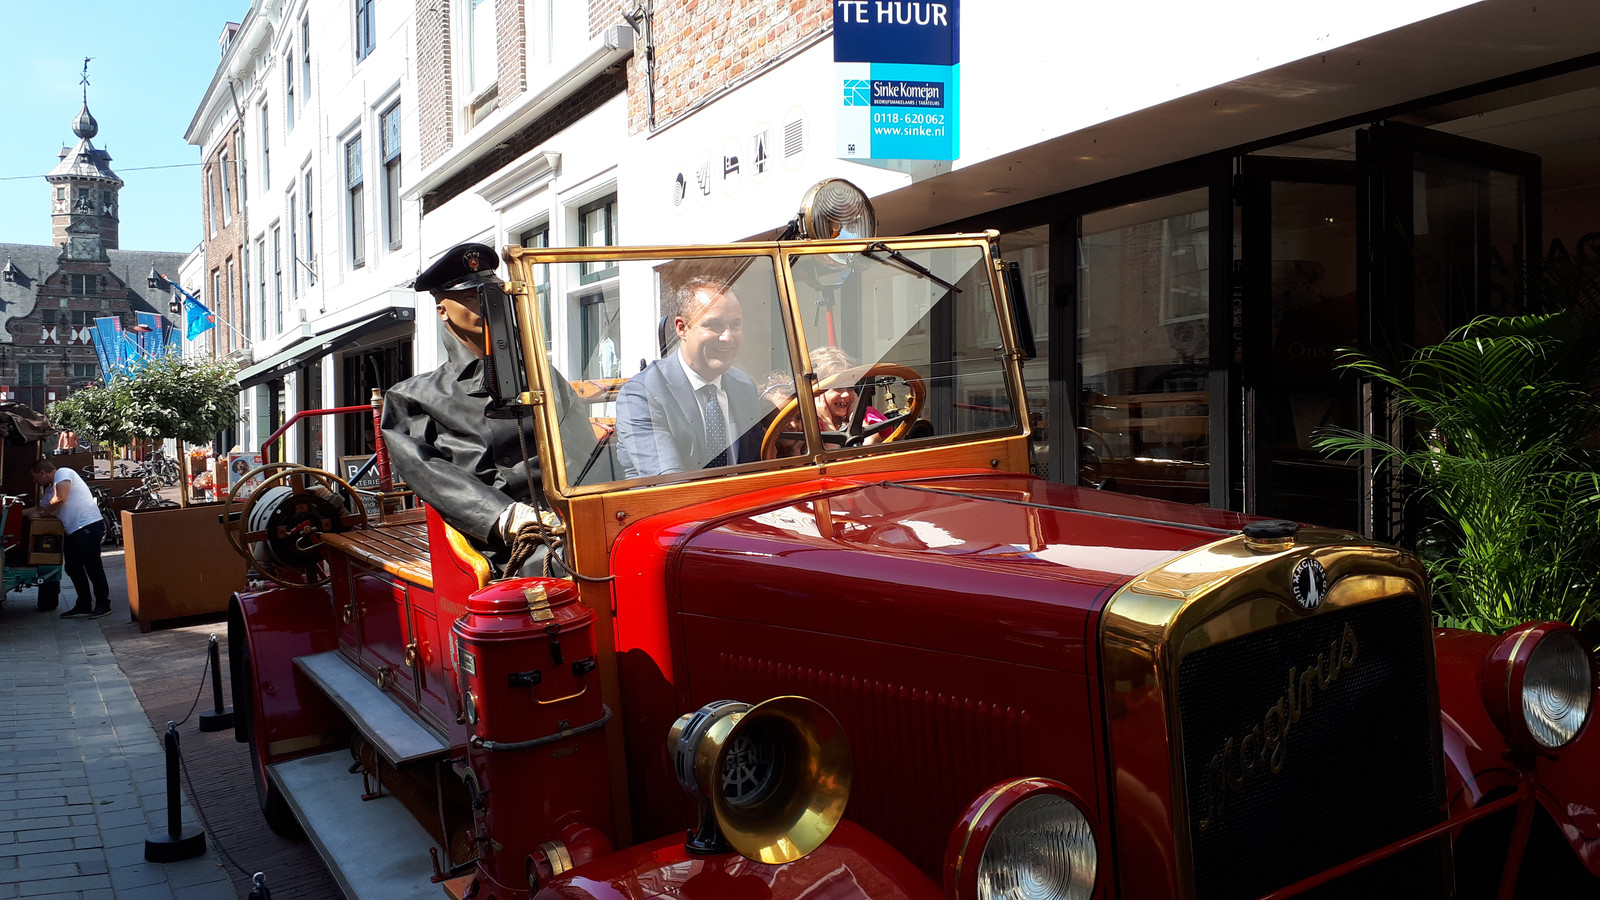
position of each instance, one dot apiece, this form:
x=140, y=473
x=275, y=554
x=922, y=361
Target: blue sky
x=152, y=63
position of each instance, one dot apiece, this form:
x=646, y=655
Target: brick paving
x=82, y=773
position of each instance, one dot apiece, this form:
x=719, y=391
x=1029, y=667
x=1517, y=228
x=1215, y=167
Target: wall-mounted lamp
x=156, y=282
x=10, y=273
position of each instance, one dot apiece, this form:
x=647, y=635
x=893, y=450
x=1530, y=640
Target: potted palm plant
x=1498, y=464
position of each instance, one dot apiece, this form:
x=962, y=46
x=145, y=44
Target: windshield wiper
x=907, y=262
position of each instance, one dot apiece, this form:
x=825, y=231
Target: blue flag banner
x=108, y=340
x=152, y=339
x=197, y=319
x=898, y=65
x=133, y=354
x=100, y=353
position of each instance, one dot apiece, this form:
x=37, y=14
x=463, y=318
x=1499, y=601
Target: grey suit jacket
x=659, y=426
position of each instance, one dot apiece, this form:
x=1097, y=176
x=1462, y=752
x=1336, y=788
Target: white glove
x=513, y=517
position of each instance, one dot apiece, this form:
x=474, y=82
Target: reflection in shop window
x=1144, y=345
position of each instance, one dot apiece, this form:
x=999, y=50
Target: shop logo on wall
x=898, y=64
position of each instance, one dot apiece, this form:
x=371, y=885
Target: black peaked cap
x=462, y=266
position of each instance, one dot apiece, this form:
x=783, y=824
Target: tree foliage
x=187, y=398
x=1499, y=464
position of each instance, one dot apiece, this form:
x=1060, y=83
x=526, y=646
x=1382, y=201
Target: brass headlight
x=1022, y=840
x=835, y=208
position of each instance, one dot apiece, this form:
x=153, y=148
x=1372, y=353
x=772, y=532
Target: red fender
x=289, y=715
x=1567, y=786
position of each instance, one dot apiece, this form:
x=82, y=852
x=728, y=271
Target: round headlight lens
x=1557, y=688
x=835, y=208
x=1043, y=849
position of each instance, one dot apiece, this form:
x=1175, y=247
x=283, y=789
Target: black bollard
x=177, y=843
x=218, y=718
x=258, y=888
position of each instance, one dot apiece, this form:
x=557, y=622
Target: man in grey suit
x=692, y=409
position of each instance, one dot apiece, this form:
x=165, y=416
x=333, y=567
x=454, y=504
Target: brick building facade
x=223, y=245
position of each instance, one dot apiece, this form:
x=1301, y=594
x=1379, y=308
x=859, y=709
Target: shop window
x=1144, y=339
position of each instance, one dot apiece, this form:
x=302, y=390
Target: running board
x=374, y=848
x=398, y=737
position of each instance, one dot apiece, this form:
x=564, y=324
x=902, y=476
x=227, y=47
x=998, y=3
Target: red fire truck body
x=1044, y=690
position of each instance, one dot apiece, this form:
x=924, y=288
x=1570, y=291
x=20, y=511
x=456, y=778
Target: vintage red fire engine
x=880, y=660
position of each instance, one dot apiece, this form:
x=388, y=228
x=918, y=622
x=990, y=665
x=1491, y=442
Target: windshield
x=672, y=368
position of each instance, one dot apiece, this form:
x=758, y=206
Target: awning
x=317, y=346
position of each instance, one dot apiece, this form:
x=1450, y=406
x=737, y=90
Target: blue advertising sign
x=898, y=63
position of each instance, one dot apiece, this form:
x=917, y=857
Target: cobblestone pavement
x=82, y=772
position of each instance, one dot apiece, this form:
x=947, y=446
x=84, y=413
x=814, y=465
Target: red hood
x=934, y=562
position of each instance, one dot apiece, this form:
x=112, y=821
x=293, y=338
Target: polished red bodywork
x=948, y=622
x=852, y=865
x=278, y=624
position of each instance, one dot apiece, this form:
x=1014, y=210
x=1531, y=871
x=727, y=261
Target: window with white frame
x=211, y=200
x=266, y=149
x=597, y=227
x=227, y=191
x=288, y=90
x=305, y=58
x=294, y=247
x=538, y=235
x=389, y=133
x=261, y=295
x=216, y=295
x=480, y=46
x=594, y=307
x=231, y=317
x=277, y=280
x=244, y=292
x=366, y=39
x=355, y=202
x=311, y=246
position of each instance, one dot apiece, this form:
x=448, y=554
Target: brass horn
x=772, y=780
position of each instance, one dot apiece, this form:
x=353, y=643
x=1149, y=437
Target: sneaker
x=100, y=613
x=77, y=612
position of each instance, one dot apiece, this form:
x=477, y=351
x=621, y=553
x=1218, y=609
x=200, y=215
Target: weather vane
x=85, y=80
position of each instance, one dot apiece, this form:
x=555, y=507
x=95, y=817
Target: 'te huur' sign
x=898, y=64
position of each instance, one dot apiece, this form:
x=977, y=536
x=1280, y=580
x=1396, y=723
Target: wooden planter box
x=179, y=563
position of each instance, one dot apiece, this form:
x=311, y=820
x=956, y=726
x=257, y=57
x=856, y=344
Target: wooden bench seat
x=398, y=546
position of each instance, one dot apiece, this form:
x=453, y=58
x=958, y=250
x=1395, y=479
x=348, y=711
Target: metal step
x=398, y=737
x=374, y=848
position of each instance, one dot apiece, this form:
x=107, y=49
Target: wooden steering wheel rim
x=281, y=472
x=914, y=407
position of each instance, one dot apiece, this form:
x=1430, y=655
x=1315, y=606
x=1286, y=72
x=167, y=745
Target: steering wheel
x=279, y=525
x=897, y=425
